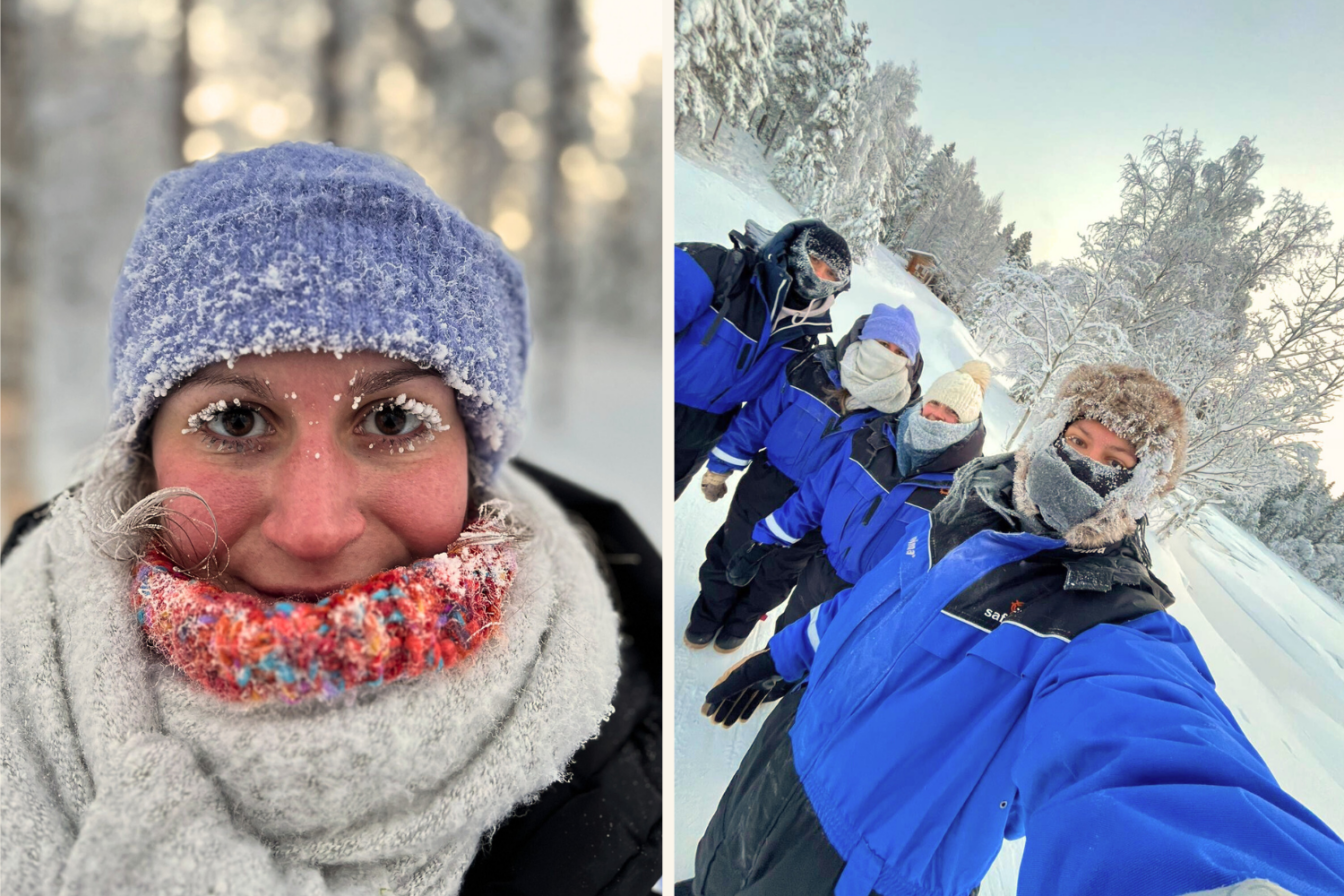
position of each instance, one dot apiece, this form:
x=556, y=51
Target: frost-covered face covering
x=397, y=624
x=920, y=440
x=875, y=376
x=300, y=247
x=1091, y=504
x=1064, y=499
x=810, y=290
x=1101, y=478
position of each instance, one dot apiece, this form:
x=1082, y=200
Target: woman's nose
x=315, y=510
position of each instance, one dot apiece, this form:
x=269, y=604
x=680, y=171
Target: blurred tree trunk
x=182, y=78
x=14, y=310
x=566, y=126
x=330, y=60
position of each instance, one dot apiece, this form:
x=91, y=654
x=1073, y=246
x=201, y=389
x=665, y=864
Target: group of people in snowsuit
x=976, y=648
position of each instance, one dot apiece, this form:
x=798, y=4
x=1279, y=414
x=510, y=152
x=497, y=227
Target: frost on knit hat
x=815, y=240
x=962, y=390
x=313, y=247
x=894, y=325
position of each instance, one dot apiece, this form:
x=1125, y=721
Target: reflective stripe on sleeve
x=778, y=532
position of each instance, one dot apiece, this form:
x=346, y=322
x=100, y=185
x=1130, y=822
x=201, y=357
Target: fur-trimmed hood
x=1138, y=407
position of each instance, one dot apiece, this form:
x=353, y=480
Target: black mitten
x=743, y=688
x=744, y=564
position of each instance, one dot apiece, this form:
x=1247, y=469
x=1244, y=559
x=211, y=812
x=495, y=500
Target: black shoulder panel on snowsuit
x=811, y=374
x=1037, y=595
x=972, y=517
x=873, y=448
x=927, y=497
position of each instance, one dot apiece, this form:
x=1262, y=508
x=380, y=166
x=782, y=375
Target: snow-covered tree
x=909, y=159
x=808, y=167
x=955, y=221
x=801, y=53
x=1185, y=248
x=1019, y=250
x=1302, y=336
x=1303, y=524
x=1183, y=238
x=924, y=186
x=871, y=173
x=1040, y=324
x=724, y=60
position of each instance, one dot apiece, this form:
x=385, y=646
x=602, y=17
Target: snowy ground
x=1274, y=642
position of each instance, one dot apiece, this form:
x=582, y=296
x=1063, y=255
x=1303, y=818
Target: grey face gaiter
x=919, y=439
x=1064, y=499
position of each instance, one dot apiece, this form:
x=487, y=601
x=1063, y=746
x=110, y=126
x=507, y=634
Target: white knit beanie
x=962, y=390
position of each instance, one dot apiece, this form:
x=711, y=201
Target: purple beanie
x=300, y=246
x=894, y=325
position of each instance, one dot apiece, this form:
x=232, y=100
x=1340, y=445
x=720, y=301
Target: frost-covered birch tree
x=1041, y=324
x=1302, y=335
x=1187, y=248
x=1172, y=274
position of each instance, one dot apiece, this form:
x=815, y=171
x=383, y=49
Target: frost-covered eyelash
x=199, y=419
x=428, y=414
x=430, y=419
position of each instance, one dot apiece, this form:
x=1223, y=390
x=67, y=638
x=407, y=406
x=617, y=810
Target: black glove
x=743, y=688
x=746, y=561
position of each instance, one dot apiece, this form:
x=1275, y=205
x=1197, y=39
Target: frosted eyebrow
x=251, y=383
x=367, y=383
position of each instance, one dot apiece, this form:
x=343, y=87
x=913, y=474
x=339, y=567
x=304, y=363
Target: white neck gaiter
x=875, y=376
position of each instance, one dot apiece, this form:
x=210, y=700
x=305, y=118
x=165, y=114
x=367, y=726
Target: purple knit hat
x=301, y=246
x=894, y=325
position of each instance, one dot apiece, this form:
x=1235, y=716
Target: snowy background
x=540, y=119
x=1212, y=260
x=1273, y=640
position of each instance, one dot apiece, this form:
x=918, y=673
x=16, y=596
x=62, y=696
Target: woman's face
x=321, y=470
x=936, y=410
x=1097, y=441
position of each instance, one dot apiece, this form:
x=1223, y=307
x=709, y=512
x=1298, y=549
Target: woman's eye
x=237, y=423
x=390, y=420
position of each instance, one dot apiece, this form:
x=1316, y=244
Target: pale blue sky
x=1049, y=97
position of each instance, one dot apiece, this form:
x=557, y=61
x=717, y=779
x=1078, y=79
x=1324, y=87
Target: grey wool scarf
x=120, y=776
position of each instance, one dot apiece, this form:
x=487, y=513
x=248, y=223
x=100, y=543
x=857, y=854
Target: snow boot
x=698, y=639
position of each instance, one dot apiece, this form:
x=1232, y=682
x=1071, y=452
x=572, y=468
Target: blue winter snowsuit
x=1014, y=687
x=728, y=348
x=863, y=504
x=796, y=420
x=784, y=435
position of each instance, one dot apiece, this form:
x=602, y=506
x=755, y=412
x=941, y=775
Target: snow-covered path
x=1274, y=642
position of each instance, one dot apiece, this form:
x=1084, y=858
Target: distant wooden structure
x=923, y=265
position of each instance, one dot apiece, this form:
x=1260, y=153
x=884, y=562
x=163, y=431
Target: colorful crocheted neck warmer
x=397, y=624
